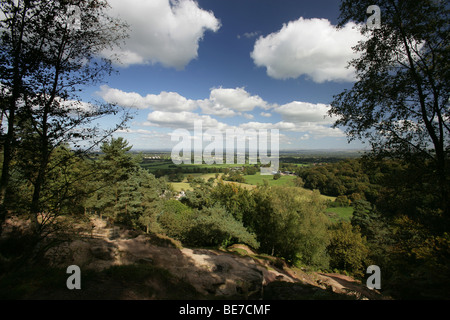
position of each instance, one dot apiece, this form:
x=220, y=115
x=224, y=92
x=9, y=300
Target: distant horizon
x=281, y=150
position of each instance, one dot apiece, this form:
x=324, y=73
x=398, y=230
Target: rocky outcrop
x=238, y=273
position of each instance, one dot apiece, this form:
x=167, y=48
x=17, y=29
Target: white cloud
x=304, y=112
x=162, y=31
x=171, y=110
x=319, y=131
x=310, y=129
x=165, y=101
x=311, y=47
x=226, y=102
x=309, y=117
x=221, y=102
x=282, y=126
x=183, y=120
x=238, y=99
x=301, y=117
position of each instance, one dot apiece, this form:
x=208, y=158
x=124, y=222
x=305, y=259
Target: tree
x=400, y=101
x=45, y=60
x=115, y=168
x=210, y=226
x=214, y=226
x=115, y=161
x=175, y=218
x=290, y=223
x=200, y=195
x=235, y=199
x=298, y=182
x=347, y=248
x=250, y=170
x=139, y=201
x=234, y=176
x=400, y=104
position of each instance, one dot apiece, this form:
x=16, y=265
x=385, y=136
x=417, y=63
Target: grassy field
x=258, y=179
x=184, y=185
x=166, y=165
x=340, y=213
x=252, y=181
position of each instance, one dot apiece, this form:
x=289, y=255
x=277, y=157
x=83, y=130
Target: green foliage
x=250, y=170
x=212, y=226
x=400, y=101
x=199, y=196
x=65, y=186
x=45, y=64
x=347, y=249
x=368, y=220
x=291, y=224
x=418, y=262
x=176, y=177
x=115, y=161
x=342, y=201
x=236, y=200
x=175, y=218
x=234, y=176
x=126, y=193
x=298, y=182
x=216, y=227
x=346, y=177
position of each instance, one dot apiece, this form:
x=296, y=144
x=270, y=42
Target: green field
x=251, y=182
x=258, y=179
x=167, y=165
x=184, y=185
x=340, y=213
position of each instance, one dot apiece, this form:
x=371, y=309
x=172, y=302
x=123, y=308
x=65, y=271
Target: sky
x=234, y=64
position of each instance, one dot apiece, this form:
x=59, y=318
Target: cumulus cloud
x=282, y=126
x=162, y=31
x=311, y=47
x=309, y=117
x=231, y=102
x=183, y=120
x=221, y=102
x=166, y=101
x=304, y=112
x=172, y=110
x=301, y=117
x=310, y=129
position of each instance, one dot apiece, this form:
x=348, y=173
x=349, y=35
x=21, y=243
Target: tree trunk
x=35, y=204
x=8, y=145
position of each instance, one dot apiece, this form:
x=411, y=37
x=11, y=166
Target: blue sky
x=250, y=64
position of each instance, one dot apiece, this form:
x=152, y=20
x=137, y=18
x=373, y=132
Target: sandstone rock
x=102, y=252
x=213, y=272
